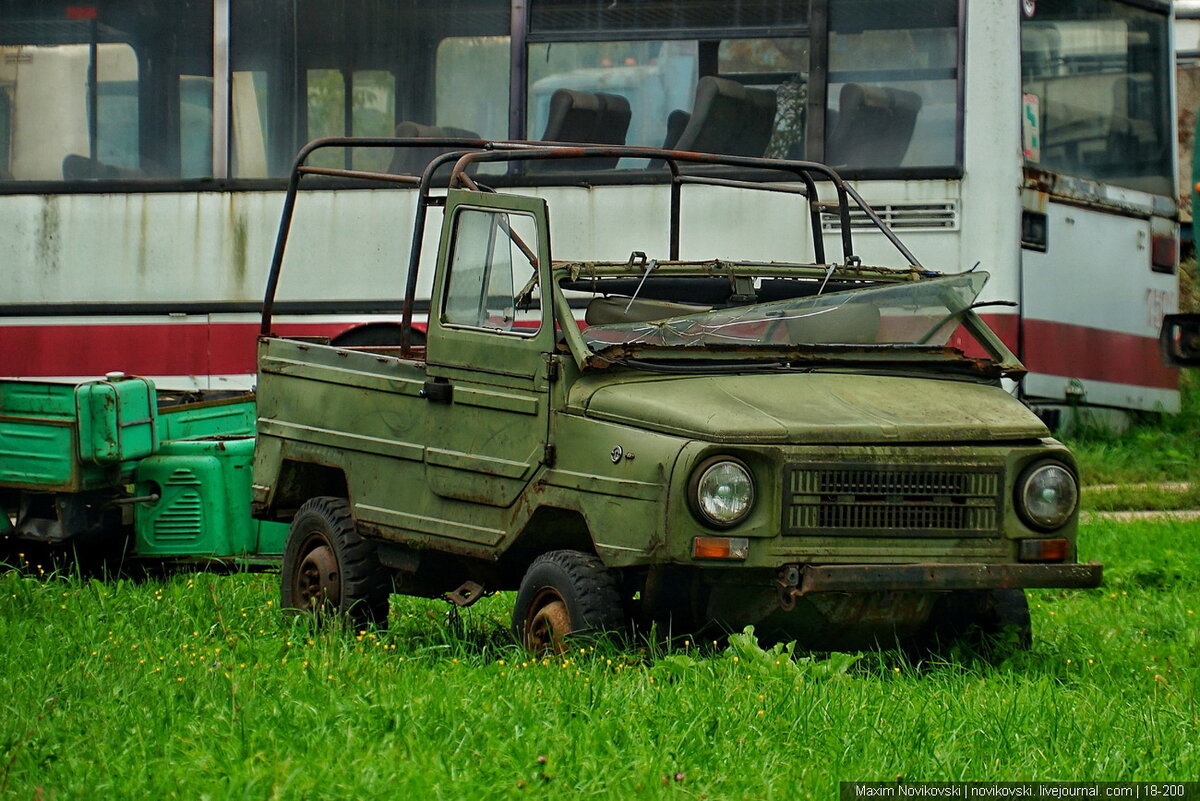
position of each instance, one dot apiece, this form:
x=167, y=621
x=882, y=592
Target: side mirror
x=1179, y=340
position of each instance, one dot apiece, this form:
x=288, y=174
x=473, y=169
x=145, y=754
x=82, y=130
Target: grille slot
x=899, y=217
x=880, y=500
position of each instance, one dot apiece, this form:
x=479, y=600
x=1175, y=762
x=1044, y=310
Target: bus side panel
x=1092, y=308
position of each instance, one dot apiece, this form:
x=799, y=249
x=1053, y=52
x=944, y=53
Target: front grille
x=881, y=500
x=183, y=519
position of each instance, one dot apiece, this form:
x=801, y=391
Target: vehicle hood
x=806, y=408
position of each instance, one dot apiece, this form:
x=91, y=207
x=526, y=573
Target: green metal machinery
x=116, y=467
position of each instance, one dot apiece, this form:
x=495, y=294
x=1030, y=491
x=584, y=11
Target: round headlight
x=1047, y=495
x=724, y=492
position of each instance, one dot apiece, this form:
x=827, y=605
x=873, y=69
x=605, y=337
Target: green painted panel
x=204, y=503
x=490, y=399
x=429, y=525
x=271, y=537
x=37, y=452
x=477, y=464
x=339, y=439
x=197, y=420
x=37, y=399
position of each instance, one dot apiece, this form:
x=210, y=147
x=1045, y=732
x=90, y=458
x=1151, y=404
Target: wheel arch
x=300, y=480
x=549, y=528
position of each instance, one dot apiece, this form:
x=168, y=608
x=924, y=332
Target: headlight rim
x=1022, y=484
x=693, y=493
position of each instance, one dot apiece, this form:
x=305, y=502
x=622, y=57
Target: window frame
x=520, y=37
x=447, y=272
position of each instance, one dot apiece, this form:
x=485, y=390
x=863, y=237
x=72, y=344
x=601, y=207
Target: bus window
x=692, y=76
x=351, y=103
x=53, y=105
x=195, y=124
x=5, y=133
x=248, y=133
x=654, y=77
x=326, y=113
x=362, y=67
x=659, y=79
x=118, y=90
x=892, y=98
x=1095, y=76
x=472, y=84
x=782, y=66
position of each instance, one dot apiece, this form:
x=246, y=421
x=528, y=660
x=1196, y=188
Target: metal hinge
x=548, y=454
x=551, y=368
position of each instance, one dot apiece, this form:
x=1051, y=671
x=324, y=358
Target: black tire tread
x=366, y=584
x=587, y=585
x=597, y=586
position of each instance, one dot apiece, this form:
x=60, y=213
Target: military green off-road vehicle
x=791, y=445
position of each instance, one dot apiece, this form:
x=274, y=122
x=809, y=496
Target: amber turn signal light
x=1042, y=550
x=720, y=547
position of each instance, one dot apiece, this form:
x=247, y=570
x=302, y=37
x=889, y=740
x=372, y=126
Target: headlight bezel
x=694, y=488
x=1021, y=488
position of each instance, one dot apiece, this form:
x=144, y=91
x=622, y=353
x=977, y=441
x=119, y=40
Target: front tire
x=565, y=594
x=997, y=621
x=328, y=566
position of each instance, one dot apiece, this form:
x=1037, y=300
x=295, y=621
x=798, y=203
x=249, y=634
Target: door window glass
x=491, y=283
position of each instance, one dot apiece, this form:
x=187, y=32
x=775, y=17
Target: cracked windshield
x=924, y=312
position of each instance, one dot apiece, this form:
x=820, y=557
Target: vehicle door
x=488, y=391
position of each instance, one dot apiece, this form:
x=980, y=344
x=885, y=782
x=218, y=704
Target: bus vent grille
x=183, y=520
x=899, y=217
x=885, y=500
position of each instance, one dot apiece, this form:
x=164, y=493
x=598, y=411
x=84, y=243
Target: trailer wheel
x=328, y=567
x=563, y=595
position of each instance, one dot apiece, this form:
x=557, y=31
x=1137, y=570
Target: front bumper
x=933, y=576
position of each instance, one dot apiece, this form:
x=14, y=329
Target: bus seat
x=413, y=160
x=82, y=168
x=613, y=309
x=677, y=122
x=729, y=118
x=874, y=126
x=595, y=118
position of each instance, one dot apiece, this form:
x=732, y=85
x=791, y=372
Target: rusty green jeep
x=816, y=447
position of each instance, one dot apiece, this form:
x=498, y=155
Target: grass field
x=1156, y=449
x=196, y=687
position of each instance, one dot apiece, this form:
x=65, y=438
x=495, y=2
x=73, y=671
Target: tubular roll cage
x=463, y=153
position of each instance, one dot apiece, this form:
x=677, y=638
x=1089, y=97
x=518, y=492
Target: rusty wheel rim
x=318, y=582
x=548, y=624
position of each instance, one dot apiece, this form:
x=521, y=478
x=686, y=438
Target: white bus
x=143, y=147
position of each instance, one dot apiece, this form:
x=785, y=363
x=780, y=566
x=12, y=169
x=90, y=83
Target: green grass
x=1156, y=448
x=196, y=687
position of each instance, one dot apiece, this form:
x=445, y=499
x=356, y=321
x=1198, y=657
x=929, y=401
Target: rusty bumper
x=865, y=578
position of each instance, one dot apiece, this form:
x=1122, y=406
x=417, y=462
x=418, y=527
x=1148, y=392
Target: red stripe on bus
x=229, y=349
x=1092, y=354
x=150, y=349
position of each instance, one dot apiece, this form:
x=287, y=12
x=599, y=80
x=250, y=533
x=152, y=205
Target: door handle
x=437, y=391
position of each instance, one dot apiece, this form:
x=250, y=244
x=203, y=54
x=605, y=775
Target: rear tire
x=328, y=566
x=563, y=595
